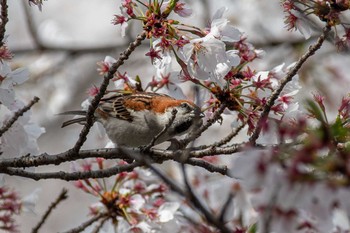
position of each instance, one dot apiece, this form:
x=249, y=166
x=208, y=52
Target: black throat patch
x=183, y=126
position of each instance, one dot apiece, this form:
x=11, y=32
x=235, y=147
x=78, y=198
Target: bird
x=134, y=119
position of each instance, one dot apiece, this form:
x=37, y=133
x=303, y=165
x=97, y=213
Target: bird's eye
x=185, y=106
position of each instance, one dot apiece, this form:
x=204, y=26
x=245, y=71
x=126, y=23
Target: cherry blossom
x=121, y=20
x=21, y=138
x=181, y=8
x=221, y=29
x=8, y=80
x=207, y=58
x=105, y=65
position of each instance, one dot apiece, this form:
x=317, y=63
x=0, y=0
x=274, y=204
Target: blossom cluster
x=10, y=205
x=302, y=186
x=215, y=58
x=21, y=137
x=299, y=12
x=133, y=201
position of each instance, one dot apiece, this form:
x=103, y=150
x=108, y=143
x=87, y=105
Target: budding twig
x=292, y=72
x=15, y=117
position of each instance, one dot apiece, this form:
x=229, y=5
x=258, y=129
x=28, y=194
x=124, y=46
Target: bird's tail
x=79, y=120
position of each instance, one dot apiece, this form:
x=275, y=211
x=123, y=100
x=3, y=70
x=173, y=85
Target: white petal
x=167, y=210
x=230, y=34
x=123, y=28
x=7, y=97
x=19, y=76
x=85, y=104
x=219, y=13
x=233, y=58
x=110, y=60
x=5, y=69
x=137, y=201
x=29, y=201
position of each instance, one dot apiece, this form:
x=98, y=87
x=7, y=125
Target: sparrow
x=134, y=119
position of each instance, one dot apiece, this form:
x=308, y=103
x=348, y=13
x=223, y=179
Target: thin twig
x=100, y=225
x=4, y=20
x=103, y=87
x=223, y=141
x=166, y=127
x=63, y=196
x=292, y=72
x=222, y=169
x=229, y=137
x=225, y=207
x=86, y=224
x=15, y=117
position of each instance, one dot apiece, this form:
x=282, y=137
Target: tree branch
x=47, y=159
x=86, y=224
x=158, y=155
x=222, y=169
x=73, y=175
x=4, y=20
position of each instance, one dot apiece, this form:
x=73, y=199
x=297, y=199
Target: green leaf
x=315, y=110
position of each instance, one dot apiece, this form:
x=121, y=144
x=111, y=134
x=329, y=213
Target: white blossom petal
x=167, y=210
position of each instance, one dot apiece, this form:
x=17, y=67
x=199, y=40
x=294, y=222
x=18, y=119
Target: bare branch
x=292, y=72
x=99, y=226
x=222, y=169
x=73, y=175
x=63, y=196
x=47, y=159
x=15, y=117
x=229, y=137
x=225, y=206
x=200, y=206
x=86, y=224
x=225, y=140
x=4, y=20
